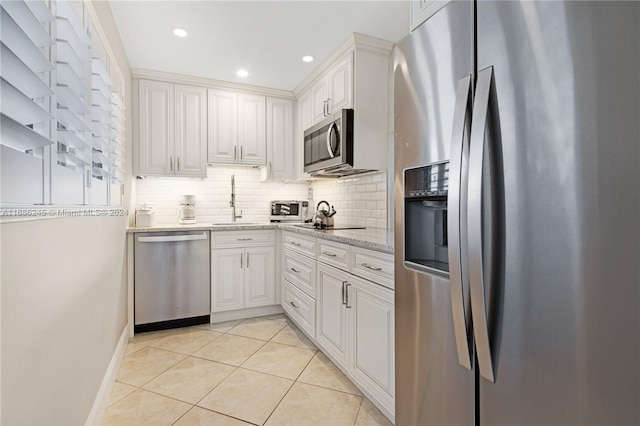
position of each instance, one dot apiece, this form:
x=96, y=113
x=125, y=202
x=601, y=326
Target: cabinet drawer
x=224, y=239
x=372, y=265
x=335, y=254
x=300, y=270
x=300, y=307
x=300, y=244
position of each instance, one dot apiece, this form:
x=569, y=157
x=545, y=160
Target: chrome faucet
x=232, y=203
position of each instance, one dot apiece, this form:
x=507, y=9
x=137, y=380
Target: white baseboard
x=100, y=403
x=246, y=313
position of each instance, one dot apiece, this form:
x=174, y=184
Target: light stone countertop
x=378, y=239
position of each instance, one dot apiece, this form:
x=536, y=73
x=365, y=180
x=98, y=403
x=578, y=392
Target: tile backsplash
x=213, y=195
x=358, y=200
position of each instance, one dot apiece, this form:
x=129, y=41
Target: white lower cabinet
x=331, y=314
x=300, y=307
x=259, y=277
x=372, y=329
x=227, y=279
x=347, y=308
x=242, y=277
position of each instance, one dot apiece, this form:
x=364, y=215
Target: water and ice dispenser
x=425, y=218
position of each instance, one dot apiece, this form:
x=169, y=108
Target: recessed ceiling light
x=307, y=58
x=179, y=32
x=242, y=73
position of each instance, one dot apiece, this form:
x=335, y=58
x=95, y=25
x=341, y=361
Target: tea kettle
x=323, y=218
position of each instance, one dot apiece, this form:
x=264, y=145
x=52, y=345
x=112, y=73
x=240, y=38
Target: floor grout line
x=285, y=321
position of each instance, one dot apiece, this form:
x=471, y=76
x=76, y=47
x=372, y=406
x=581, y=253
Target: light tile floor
x=255, y=371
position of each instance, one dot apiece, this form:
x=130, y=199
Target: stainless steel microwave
x=328, y=146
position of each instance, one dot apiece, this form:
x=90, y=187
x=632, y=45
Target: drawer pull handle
x=293, y=243
x=326, y=253
x=294, y=305
x=245, y=239
x=373, y=268
x=295, y=270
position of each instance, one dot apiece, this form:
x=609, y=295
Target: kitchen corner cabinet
x=173, y=132
x=304, y=120
x=236, y=127
x=242, y=270
x=279, y=140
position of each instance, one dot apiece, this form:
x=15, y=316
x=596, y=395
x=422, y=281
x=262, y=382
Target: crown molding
x=356, y=42
x=137, y=73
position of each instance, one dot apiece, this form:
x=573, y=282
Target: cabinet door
x=259, y=277
x=156, y=128
x=279, y=139
x=227, y=279
x=191, y=131
x=319, y=95
x=252, y=147
x=331, y=319
x=304, y=121
x=222, y=126
x=372, y=338
x=341, y=85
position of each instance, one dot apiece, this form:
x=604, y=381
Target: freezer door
x=432, y=388
x=562, y=314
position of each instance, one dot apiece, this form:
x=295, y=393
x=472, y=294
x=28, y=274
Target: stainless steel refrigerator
x=517, y=225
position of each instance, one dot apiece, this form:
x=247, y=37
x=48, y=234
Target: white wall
x=63, y=304
x=63, y=311
x=214, y=193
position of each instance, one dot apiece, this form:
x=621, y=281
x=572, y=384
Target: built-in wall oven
x=328, y=146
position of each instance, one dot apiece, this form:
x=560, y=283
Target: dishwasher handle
x=172, y=238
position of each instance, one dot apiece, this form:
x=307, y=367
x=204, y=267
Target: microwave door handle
x=331, y=154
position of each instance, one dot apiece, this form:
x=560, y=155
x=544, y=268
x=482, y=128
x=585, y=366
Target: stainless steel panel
x=431, y=387
x=567, y=84
x=171, y=278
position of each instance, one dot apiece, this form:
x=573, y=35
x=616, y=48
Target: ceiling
x=267, y=38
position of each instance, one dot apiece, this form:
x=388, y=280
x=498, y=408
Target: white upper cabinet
x=279, y=139
x=173, y=133
x=191, y=131
x=319, y=95
x=355, y=76
x=156, y=128
x=341, y=85
x=223, y=126
x=333, y=90
x=237, y=133
x=251, y=129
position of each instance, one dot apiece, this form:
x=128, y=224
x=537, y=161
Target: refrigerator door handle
x=476, y=265
x=458, y=273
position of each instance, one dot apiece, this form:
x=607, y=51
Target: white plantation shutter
x=62, y=117
x=73, y=153
x=25, y=90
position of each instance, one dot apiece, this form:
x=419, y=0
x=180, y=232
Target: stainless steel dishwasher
x=172, y=280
